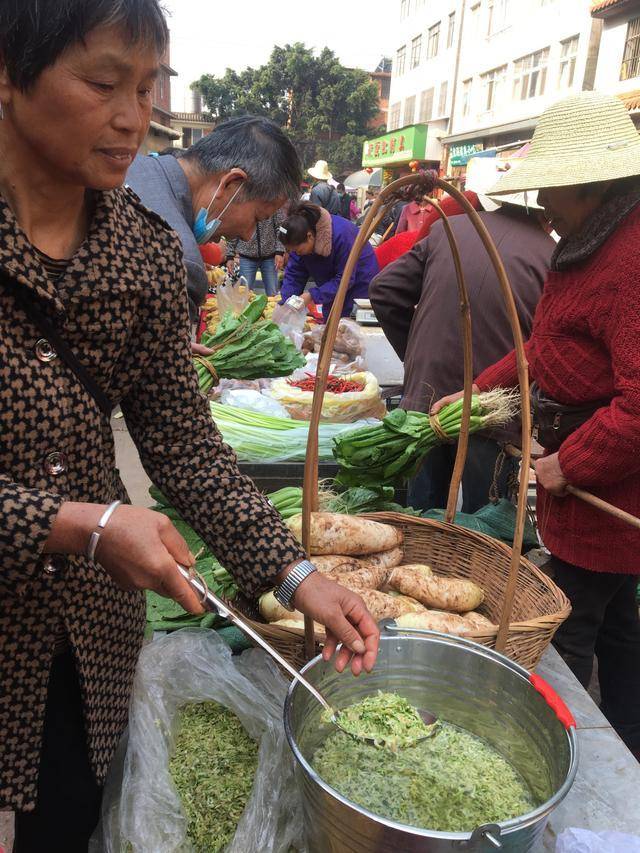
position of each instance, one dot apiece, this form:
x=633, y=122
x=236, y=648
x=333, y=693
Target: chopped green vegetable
x=393, y=450
x=451, y=782
x=388, y=719
x=246, y=347
x=212, y=766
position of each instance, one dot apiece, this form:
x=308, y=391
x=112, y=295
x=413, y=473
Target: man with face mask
x=231, y=179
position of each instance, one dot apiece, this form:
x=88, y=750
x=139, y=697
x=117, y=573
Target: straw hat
x=582, y=139
x=321, y=171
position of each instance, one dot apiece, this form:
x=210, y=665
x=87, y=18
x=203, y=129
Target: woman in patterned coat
x=75, y=88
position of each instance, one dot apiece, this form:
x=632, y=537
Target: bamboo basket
x=525, y=605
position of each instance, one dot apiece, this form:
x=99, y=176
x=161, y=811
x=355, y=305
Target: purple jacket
x=334, y=239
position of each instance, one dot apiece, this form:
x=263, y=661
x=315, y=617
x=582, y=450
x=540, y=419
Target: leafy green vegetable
x=213, y=766
x=390, y=720
x=394, y=450
x=451, y=782
x=247, y=347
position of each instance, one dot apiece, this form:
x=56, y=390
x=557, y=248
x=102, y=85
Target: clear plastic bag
x=232, y=296
x=291, y=318
x=141, y=809
x=585, y=841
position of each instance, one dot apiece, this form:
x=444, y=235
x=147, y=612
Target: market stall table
x=607, y=771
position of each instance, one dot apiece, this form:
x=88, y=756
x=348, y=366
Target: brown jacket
x=122, y=306
x=416, y=301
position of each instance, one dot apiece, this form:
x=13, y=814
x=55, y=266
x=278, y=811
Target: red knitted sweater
x=585, y=346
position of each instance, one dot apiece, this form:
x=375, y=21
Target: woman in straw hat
x=584, y=358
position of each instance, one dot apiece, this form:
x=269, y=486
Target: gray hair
x=257, y=146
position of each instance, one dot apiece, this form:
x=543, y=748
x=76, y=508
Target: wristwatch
x=285, y=591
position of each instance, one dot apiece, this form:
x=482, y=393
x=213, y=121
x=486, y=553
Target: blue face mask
x=204, y=230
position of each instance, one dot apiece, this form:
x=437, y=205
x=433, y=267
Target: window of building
x=497, y=16
x=631, y=59
x=475, y=20
x=186, y=137
x=426, y=105
x=161, y=83
x=568, y=55
x=385, y=88
x=451, y=29
x=530, y=75
x=409, y=110
x=416, y=52
x=401, y=55
x=433, y=40
x=196, y=134
x=442, y=101
x=404, y=9
x=466, y=96
x=394, y=116
x=493, y=87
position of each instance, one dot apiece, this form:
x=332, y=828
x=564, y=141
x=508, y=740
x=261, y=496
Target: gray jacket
x=162, y=186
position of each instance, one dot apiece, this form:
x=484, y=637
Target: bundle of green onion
x=394, y=450
x=264, y=438
x=246, y=347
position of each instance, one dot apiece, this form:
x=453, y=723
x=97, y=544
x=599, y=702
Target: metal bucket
x=461, y=682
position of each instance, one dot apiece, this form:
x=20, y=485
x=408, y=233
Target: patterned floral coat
x=122, y=306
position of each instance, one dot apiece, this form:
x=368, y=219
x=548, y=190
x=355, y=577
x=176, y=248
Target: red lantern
x=414, y=165
x=369, y=170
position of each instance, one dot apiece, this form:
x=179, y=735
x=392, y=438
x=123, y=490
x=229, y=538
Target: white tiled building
x=516, y=58
x=424, y=67
x=477, y=74
x=619, y=56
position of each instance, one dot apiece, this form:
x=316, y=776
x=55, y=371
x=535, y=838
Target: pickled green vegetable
x=451, y=782
x=390, y=720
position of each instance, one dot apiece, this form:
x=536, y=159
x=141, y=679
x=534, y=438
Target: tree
x=324, y=106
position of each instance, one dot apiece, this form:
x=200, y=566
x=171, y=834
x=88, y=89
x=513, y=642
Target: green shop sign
x=401, y=146
x=459, y=155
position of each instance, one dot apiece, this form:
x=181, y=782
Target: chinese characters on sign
x=382, y=147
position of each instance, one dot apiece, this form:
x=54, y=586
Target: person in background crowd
x=93, y=314
x=413, y=216
x=416, y=301
x=396, y=246
x=322, y=193
x=584, y=361
x=264, y=253
x=200, y=193
x=348, y=207
x=319, y=245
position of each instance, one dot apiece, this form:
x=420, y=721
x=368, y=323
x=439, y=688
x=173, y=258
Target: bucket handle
x=553, y=700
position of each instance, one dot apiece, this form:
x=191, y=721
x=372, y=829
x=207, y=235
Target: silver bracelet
x=285, y=591
x=95, y=536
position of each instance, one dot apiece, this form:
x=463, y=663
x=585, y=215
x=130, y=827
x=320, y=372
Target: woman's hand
x=139, y=548
x=307, y=298
x=279, y=262
x=200, y=349
x=451, y=398
x=549, y=475
x=346, y=619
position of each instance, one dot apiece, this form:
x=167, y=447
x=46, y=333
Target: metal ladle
x=211, y=601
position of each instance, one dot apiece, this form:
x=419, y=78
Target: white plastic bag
x=254, y=401
x=345, y=407
x=585, y=841
x=141, y=809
